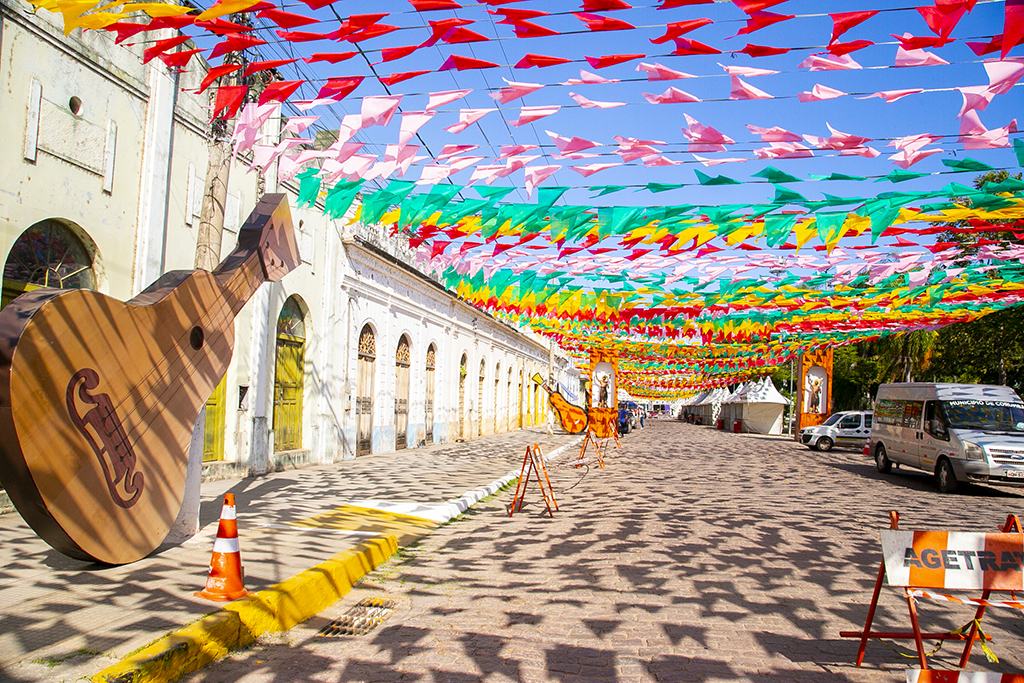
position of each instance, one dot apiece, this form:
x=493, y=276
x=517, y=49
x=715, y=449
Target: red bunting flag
x=528, y=29
x=176, y=23
x=229, y=99
x=329, y=57
x=844, y=21
x=266, y=64
x=177, y=60
x=286, y=19
x=233, y=43
x=433, y=5
x=390, y=54
x=512, y=15
x=317, y=4
x=461, y=63
x=437, y=248
x=372, y=31
x=841, y=49
x=1013, y=25
x=610, y=60
x=685, y=46
x=994, y=45
x=531, y=59
x=942, y=20
x=126, y=30
x=222, y=27
x=305, y=36
x=399, y=77
x=763, y=50
x=909, y=42
x=678, y=28
x=672, y=4
x=339, y=88
x=752, y=6
x=759, y=20
x=604, y=5
x=463, y=35
x=595, y=22
x=279, y=91
x=438, y=29
x=161, y=46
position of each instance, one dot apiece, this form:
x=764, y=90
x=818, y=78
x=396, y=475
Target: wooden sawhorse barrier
x=533, y=465
x=921, y=561
x=590, y=438
x=932, y=676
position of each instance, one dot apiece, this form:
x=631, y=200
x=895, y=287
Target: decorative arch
x=366, y=363
x=53, y=253
x=289, y=374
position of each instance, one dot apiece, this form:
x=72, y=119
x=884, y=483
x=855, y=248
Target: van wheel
x=946, y=477
x=882, y=461
x=823, y=444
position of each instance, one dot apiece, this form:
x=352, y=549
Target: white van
x=960, y=432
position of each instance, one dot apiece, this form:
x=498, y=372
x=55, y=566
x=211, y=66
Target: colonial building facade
x=356, y=351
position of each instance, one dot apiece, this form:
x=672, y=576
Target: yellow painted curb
x=240, y=622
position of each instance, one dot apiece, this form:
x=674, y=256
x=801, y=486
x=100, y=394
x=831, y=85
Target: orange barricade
x=533, y=464
x=920, y=561
x=590, y=438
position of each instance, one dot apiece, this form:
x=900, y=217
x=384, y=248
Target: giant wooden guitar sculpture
x=98, y=397
x=572, y=418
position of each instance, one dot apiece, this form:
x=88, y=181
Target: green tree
x=854, y=377
x=904, y=355
x=989, y=350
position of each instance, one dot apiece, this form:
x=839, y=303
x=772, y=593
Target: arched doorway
x=519, y=402
x=428, y=404
x=462, y=397
x=497, y=394
x=364, y=390
x=48, y=254
x=480, y=400
x=509, y=402
x=288, y=376
x=402, y=355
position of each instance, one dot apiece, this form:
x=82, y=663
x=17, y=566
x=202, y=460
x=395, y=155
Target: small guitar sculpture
x=98, y=397
x=572, y=418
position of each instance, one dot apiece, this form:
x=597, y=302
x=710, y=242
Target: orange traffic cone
x=224, y=581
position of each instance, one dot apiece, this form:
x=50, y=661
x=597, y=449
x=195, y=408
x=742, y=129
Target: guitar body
x=573, y=418
x=99, y=398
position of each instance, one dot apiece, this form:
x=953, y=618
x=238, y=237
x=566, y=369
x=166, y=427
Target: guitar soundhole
x=196, y=338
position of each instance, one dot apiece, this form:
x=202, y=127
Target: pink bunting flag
x=1004, y=74
x=568, y=145
x=377, y=110
x=784, y=150
x=449, y=151
x=587, y=78
x=715, y=162
x=976, y=98
x=512, y=150
x=412, y=121
x=974, y=134
x=591, y=169
x=891, y=96
x=536, y=174
x=594, y=104
x=438, y=99
x=774, y=134
x=906, y=58
x=911, y=149
x=297, y=124
x=824, y=62
x=515, y=163
x=837, y=141
x=657, y=72
x=659, y=160
x=747, y=71
x=248, y=123
x=530, y=114
x=820, y=92
x=704, y=138
x=306, y=105
x=671, y=96
x=741, y=90
x=486, y=173
x=467, y=117
x=513, y=91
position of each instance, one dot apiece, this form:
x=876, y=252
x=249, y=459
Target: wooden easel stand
x=533, y=465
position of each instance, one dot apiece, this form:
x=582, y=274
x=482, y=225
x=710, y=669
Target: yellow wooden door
x=288, y=393
x=213, y=439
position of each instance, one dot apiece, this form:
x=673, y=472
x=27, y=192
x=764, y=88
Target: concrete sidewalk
x=61, y=619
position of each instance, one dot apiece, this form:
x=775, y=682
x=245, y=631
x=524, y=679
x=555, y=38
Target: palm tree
x=904, y=354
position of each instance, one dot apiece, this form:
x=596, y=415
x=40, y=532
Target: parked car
x=958, y=432
x=840, y=429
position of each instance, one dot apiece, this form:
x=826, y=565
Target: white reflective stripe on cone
x=225, y=545
x=227, y=512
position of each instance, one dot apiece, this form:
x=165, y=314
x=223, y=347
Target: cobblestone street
x=694, y=556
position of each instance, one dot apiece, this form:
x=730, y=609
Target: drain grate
x=360, y=619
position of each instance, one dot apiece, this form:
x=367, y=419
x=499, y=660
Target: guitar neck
x=240, y=275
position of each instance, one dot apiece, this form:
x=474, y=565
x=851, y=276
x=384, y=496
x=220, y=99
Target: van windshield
x=832, y=420
x=991, y=416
